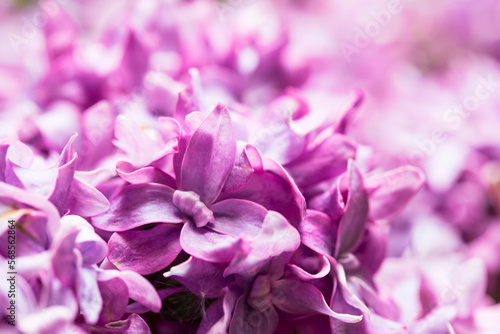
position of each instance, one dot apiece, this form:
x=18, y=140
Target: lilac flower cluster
x=208, y=167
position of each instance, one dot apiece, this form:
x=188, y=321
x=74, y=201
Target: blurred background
x=428, y=71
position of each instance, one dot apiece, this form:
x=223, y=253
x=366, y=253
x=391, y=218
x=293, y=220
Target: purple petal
x=391, y=191
x=15, y=151
x=139, y=204
x=324, y=269
x=201, y=277
x=141, y=290
x=64, y=260
x=145, y=251
x=189, y=203
x=352, y=224
x=240, y=173
x=349, y=297
x=67, y=154
x=88, y=294
x=278, y=170
x=275, y=191
x=373, y=249
x=98, y=128
x=238, y=216
x=318, y=232
x=210, y=155
x=40, y=182
x=246, y=320
x=138, y=145
x=259, y=297
x=137, y=325
x=114, y=294
x=92, y=247
x=65, y=175
x=211, y=246
x=329, y=202
x=338, y=304
x=85, y=200
x=186, y=104
x=272, y=248
x=31, y=235
x=324, y=162
x=143, y=175
x=11, y=193
x=218, y=315
x=296, y=297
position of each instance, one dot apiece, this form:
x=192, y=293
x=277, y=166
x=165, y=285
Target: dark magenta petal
x=278, y=170
x=139, y=204
x=352, y=224
x=210, y=156
x=246, y=320
x=143, y=175
x=201, y=277
x=323, y=270
x=208, y=245
x=85, y=200
x=115, y=297
x=238, y=216
x=318, y=232
x=145, y=251
x=275, y=191
x=190, y=204
x=391, y=191
x=272, y=248
x=325, y=161
x=297, y=297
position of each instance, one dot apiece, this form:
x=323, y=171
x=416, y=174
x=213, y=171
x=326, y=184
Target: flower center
x=189, y=203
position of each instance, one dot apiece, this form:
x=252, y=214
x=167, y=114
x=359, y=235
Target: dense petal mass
x=272, y=248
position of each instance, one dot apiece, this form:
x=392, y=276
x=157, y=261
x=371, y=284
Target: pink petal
x=145, y=251
x=352, y=224
x=139, y=204
x=210, y=156
x=297, y=297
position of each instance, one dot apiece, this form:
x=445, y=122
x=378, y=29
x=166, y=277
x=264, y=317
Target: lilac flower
x=252, y=287
x=198, y=216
